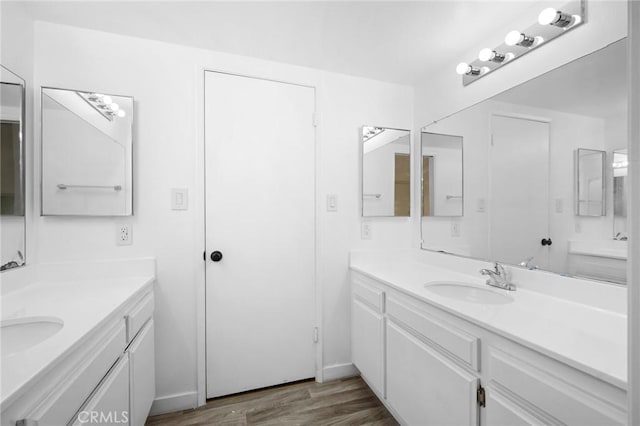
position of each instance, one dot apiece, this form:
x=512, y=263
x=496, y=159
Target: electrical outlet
x=124, y=236
x=365, y=231
x=482, y=205
x=559, y=205
x=332, y=202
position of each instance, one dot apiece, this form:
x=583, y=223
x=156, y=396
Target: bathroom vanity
x=440, y=347
x=90, y=354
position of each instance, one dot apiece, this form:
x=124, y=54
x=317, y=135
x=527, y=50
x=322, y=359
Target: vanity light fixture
x=370, y=131
x=490, y=55
x=551, y=16
x=551, y=23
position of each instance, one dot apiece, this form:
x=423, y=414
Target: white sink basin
x=19, y=334
x=467, y=292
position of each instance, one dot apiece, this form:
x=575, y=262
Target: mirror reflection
x=441, y=175
x=620, y=166
x=12, y=186
x=590, y=182
x=86, y=153
x=386, y=171
x=520, y=181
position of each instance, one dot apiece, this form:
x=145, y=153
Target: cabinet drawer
x=458, y=343
x=109, y=405
x=546, y=391
x=63, y=403
x=370, y=295
x=139, y=315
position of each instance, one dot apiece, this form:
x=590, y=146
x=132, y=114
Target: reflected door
x=260, y=216
x=519, y=193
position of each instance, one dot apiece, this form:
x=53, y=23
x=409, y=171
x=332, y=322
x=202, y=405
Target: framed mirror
x=86, y=153
x=386, y=172
x=590, y=182
x=620, y=167
x=442, y=175
x=12, y=170
x=521, y=188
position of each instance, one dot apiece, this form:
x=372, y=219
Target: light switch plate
x=455, y=229
x=559, y=205
x=482, y=205
x=179, y=199
x=332, y=203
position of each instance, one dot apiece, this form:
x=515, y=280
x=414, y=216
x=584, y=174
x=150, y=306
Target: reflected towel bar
x=114, y=187
x=378, y=196
x=449, y=197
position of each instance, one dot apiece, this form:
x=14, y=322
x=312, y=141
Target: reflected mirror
x=386, y=172
x=86, y=153
x=441, y=174
x=519, y=175
x=620, y=166
x=12, y=167
x=590, y=182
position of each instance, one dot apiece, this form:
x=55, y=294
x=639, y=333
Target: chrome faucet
x=498, y=277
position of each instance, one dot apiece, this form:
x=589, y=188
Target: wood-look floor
x=341, y=402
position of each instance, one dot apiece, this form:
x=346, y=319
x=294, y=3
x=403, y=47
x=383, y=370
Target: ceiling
x=393, y=41
x=594, y=85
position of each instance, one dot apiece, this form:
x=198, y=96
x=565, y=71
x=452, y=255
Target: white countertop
x=585, y=337
x=83, y=304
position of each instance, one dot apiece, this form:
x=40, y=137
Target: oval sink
x=467, y=292
x=19, y=334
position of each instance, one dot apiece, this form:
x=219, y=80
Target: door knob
x=216, y=256
x=546, y=242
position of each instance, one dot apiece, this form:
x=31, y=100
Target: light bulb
x=107, y=100
x=114, y=106
x=547, y=16
x=121, y=113
x=513, y=38
x=551, y=16
x=463, y=68
x=486, y=54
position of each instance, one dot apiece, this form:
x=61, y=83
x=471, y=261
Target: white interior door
x=519, y=190
x=260, y=214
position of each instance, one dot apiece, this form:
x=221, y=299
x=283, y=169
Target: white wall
x=166, y=81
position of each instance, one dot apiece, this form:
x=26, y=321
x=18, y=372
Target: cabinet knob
x=546, y=242
x=216, y=256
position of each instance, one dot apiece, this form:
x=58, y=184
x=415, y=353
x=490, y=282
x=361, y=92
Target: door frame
x=200, y=241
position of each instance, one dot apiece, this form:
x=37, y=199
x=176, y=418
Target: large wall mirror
x=12, y=167
x=86, y=153
x=544, y=172
x=386, y=172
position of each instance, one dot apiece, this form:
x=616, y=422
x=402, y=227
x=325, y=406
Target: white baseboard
x=339, y=371
x=176, y=402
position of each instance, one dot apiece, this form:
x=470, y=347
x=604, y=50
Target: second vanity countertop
x=84, y=305
x=589, y=338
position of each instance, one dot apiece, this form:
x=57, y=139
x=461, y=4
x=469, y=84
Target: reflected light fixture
x=103, y=104
x=551, y=16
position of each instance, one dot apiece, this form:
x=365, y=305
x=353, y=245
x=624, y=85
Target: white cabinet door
x=142, y=367
x=424, y=387
x=109, y=405
x=367, y=344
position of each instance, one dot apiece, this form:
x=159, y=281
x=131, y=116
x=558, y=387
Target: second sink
x=467, y=292
x=20, y=334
